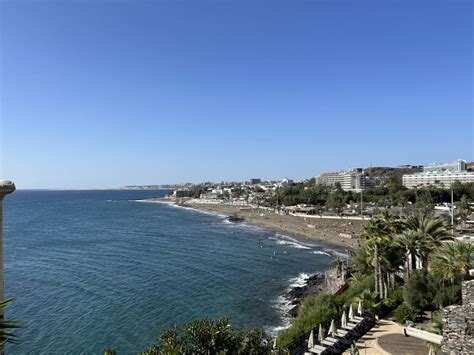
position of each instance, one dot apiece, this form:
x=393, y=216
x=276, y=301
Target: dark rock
x=296, y=292
x=313, y=285
x=235, y=219
x=294, y=311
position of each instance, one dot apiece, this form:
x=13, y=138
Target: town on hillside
x=357, y=193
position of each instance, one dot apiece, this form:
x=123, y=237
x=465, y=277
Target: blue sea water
x=97, y=269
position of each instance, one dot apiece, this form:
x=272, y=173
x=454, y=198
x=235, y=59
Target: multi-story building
x=439, y=175
x=353, y=180
x=455, y=167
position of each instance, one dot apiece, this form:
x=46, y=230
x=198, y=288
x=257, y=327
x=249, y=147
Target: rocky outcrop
x=314, y=284
x=458, y=324
x=235, y=219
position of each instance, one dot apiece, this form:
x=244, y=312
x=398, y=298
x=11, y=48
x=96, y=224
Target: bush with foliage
x=370, y=302
x=404, y=314
x=320, y=309
x=394, y=299
x=420, y=290
x=436, y=324
x=209, y=337
x=448, y=295
x=314, y=310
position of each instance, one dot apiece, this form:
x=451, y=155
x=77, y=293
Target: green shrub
x=419, y=290
x=436, y=324
x=404, y=313
x=355, y=289
x=320, y=309
x=448, y=295
x=394, y=299
x=314, y=310
x=205, y=336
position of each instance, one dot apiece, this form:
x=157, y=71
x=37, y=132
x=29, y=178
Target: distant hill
x=380, y=175
x=147, y=187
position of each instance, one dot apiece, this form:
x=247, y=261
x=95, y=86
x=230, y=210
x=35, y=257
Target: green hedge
x=319, y=309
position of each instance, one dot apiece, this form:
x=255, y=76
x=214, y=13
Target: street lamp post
x=6, y=187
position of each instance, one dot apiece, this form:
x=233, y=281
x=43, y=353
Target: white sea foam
x=298, y=281
x=202, y=211
x=292, y=244
x=153, y=201
x=320, y=252
x=283, y=305
x=336, y=253
x=274, y=331
x=283, y=239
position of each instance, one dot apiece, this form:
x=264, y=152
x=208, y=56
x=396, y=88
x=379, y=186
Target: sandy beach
x=328, y=231
x=334, y=231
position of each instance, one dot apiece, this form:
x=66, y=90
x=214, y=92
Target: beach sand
x=326, y=231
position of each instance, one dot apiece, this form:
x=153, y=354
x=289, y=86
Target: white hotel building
x=439, y=175
x=353, y=180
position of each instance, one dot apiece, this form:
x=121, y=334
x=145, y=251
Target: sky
x=98, y=94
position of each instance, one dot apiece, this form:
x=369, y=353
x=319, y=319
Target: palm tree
x=433, y=228
x=360, y=260
x=415, y=245
x=454, y=260
x=5, y=326
x=369, y=301
x=378, y=233
x=392, y=221
x=392, y=257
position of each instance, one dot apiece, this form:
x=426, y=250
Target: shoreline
x=331, y=232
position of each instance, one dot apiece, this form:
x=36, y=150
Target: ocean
x=97, y=269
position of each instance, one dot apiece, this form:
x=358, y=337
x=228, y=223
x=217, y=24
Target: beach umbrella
x=332, y=328
x=311, y=339
x=344, y=319
x=359, y=308
x=320, y=334
x=351, y=312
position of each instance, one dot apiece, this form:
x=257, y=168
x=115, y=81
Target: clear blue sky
x=107, y=93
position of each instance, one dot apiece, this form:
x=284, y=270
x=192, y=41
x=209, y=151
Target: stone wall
x=458, y=324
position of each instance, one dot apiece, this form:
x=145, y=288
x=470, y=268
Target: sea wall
x=458, y=324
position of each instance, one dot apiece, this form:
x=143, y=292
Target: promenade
x=386, y=338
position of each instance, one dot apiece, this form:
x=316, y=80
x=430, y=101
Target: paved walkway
x=400, y=344
x=386, y=338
